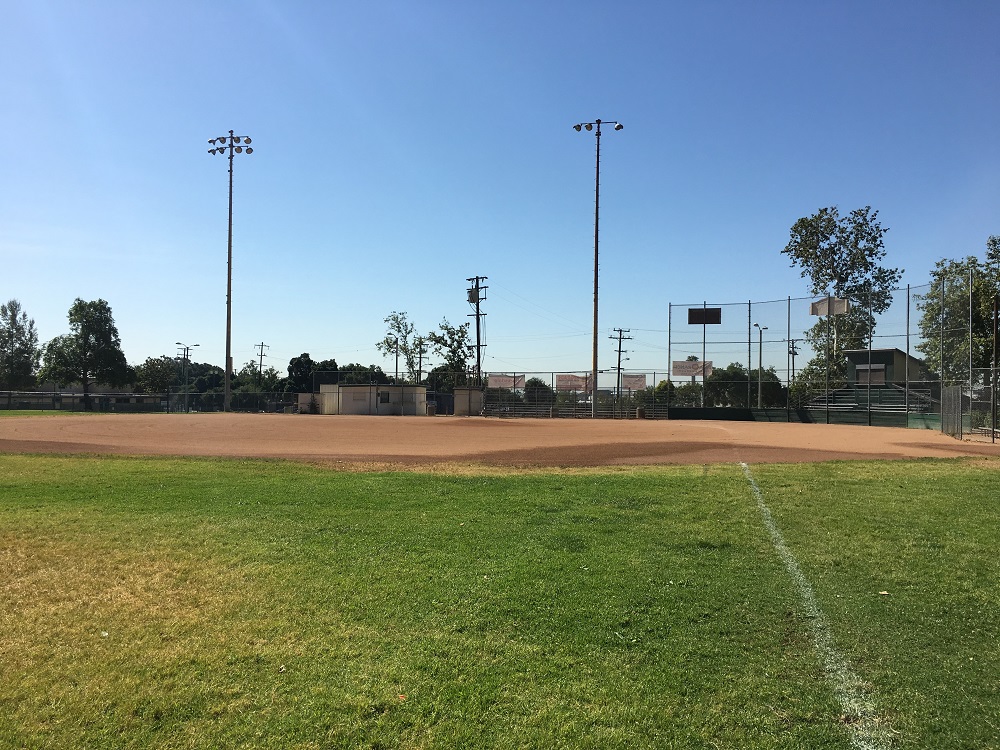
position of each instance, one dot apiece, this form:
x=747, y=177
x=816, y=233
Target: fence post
x=906, y=367
x=749, y=350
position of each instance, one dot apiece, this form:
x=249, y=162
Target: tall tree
x=452, y=344
x=300, y=370
x=250, y=379
x=400, y=338
x=841, y=256
x=19, y=352
x=90, y=354
x=945, y=314
x=157, y=374
x=205, y=378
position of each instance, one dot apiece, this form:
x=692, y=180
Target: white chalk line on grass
x=868, y=730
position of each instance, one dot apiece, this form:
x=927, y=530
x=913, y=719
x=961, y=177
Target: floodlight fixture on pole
x=760, y=365
x=229, y=145
x=595, y=127
x=186, y=354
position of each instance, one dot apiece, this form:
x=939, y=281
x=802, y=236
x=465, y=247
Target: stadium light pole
x=596, y=126
x=760, y=364
x=186, y=354
x=229, y=145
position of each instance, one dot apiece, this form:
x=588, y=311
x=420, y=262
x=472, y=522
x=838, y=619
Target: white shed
x=405, y=400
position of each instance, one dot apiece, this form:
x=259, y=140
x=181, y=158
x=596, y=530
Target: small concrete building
x=468, y=402
x=883, y=367
x=398, y=400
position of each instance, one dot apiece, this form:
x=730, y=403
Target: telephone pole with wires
x=621, y=337
x=260, y=371
x=793, y=353
x=476, y=296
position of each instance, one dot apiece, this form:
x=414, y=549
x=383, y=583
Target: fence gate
x=951, y=410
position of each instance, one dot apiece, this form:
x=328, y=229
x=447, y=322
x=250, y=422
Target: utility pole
x=793, y=351
x=421, y=351
x=260, y=372
x=477, y=294
x=185, y=354
x=621, y=337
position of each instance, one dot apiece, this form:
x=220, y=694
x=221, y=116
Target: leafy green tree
x=358, y=374
x=538, y=393
x=206, y=378
x=324, y=372
x=157, y=374
x=90, y=354
x=661, y=394
x=442, y=379
x=841, y=256
x=300, y=370
x=945, y=314
x=400, y=337
x=727, y=386
x=452, y=344
x=249, y=379
x=19, y=352
x=686, y=394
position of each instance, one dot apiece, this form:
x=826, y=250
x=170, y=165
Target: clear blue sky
x=401, y=147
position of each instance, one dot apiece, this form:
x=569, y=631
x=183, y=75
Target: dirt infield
x=425, y=441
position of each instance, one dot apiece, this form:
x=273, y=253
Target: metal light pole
x=229, y=145
x=596, y=124
x=760, y=365
x=186, y=354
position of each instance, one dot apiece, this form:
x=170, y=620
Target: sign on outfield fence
x=691, y=369
x=567, y=383
x=634, y=382
x=505, y=381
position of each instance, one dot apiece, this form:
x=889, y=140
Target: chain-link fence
x=174, y=401
x=880, y=361
x=73, y=401
x=240, y=401
x=568, y=395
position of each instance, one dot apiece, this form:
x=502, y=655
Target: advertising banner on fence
x=505, y=381
x=691, y=369
x=633, y=382
x=570, y=383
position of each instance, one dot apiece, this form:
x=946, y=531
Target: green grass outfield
x=201, y=603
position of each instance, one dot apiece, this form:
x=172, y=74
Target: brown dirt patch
x=397, y=442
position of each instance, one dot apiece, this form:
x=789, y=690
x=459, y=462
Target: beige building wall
x=386, y=400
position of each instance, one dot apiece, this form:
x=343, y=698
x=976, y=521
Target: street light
x=186, y=354
x=760, y=365
x=592, y=126
x=229, y=145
